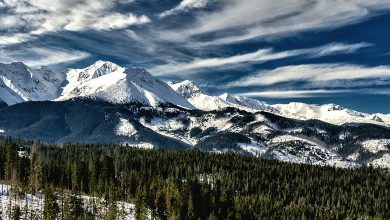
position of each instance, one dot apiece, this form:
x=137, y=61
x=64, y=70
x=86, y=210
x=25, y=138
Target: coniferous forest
x=171, y=184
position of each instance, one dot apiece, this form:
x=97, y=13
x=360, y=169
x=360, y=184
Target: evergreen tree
x=113, y=212
x=73, y=207
x=36, y=174
x=51, y=207
x=16, y=213
x=140, y=204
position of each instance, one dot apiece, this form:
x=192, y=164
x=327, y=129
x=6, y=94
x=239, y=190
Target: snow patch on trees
x=125, y=128
x=374, y=146
x=32, y=206
x=383, y=162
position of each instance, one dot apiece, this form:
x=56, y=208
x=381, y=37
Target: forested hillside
x=171, y=184
x=260, y=134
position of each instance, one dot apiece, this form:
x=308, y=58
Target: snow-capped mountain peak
x=246, y=103
x=197, y=97
x=186, y=88
x=110, y=82
x=99, y=68
x=19, y=83
x=204, y=101
x=226, y=97
x=376, y=117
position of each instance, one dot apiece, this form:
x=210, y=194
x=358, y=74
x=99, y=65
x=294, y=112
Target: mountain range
x=102, y=80
x=107, y=103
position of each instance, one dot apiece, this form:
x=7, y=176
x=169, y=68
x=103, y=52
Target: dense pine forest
x=171, y=184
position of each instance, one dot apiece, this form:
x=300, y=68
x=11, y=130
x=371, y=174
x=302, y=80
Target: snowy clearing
x=374, y=146
x=383, y=162
x=125, y=128
x=32, y=205
x=253, y=148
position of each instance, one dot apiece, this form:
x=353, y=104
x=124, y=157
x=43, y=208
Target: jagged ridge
x=102, y=80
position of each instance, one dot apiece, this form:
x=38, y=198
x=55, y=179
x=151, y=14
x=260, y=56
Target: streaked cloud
x=312, y=93
x=293, y=93
x=336, y=48
x=119, y=21
x=262, y=18
x=185, y=5
x=259, y=56
x=36, y=56
x=37, y=17
x=14, y=39
x=315, y=74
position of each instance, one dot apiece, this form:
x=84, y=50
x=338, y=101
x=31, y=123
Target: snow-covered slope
x=197, y=97
x=247, y=103
x=384, y=118
x=330, y=113
x=266, y=135
x=102, y=80
x=115, y=84
x=206, y=102
x=19, y=83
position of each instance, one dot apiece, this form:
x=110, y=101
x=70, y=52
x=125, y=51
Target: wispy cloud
x=259, y=56
x=262, y=18
x=336, y=48
x=37, y=17
x=293, y=93
x=315, y=74
x=119, y=21
x=310, y=93
x=14, y=39
x=35, y=56
x=185, y=5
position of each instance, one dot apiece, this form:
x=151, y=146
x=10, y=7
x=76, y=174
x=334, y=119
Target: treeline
x=170, y=184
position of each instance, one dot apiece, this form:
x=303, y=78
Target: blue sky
x=314, y=51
